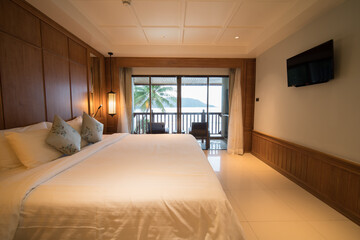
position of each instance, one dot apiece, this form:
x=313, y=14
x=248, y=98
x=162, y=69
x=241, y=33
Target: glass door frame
x=179, y=99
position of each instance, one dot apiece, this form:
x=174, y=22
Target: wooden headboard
x=44, y=69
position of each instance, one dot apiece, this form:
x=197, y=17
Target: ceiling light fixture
x=126, y=2
x=237, y=37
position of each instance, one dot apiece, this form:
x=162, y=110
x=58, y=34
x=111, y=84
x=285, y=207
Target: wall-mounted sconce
x=111, y=96
x=97, y=110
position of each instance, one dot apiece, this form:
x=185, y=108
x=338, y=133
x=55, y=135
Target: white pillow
x=77, y=124
x=8, y=158
x=30, y=147
x=48, y=125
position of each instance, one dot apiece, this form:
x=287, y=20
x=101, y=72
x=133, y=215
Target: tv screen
x=313, y=66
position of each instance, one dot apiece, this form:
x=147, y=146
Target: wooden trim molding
x=181, y=62
x=333, y=180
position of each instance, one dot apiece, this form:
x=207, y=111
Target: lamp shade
x=111, y=103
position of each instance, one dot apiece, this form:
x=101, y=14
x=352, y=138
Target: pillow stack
x=36, y=144
x=70, y=137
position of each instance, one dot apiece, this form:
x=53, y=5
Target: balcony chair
x=157, y=128
x=200, y=131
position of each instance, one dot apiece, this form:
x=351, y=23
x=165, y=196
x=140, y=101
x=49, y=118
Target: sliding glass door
x=155, y=104
x=141, y=104
x=194, y=108
x=163, y=104
x=175, y=104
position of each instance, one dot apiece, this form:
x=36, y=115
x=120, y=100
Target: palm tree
x=161, y=97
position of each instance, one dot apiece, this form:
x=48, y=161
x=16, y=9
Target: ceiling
x=183, y=28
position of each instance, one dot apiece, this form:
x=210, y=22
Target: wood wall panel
x=57, y=86
x=2, y=124
x=19, y=23
x=21, y=82
x=248, y=70
x=112, y=120
x=97, y=85
x=53, y=40
x=79, y=89
x=36, y=55
x=77, y=52
x=335, y=181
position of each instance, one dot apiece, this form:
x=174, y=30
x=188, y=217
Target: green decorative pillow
x=91, y=130
x=63, y=137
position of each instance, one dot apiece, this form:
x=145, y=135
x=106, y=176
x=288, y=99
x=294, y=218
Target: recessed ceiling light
x=237, y=37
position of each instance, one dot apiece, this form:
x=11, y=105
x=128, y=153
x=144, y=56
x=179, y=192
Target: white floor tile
x=308, y=206
x=269, y=206
x=285, y=231
x=338, y=230
x=262, y=205
x=274, y=180
x=248, y=231
x=235, y=206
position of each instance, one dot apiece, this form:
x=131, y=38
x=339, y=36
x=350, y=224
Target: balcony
x=140, y=121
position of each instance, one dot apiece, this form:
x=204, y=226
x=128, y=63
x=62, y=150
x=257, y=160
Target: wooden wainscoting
x=335, y=181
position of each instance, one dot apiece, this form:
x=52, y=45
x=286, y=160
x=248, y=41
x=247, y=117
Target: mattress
x=125, y=187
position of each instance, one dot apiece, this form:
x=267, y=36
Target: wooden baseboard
x=333, y=180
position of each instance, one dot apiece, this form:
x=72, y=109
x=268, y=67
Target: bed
x=124, y=187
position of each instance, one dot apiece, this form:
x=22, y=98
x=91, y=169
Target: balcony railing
x=140, y=121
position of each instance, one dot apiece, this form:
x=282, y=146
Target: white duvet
x=125, y=187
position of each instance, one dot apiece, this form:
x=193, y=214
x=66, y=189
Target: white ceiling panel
x=118, y=35
x=106, y=12
x=183, y=28
x=158, y=13
x=200, y=35
x=245, y=35
x=163, y=35
x=208, y=13
x=259, y=14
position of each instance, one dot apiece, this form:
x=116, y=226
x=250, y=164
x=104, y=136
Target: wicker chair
x=200, y=131
x=157, y=128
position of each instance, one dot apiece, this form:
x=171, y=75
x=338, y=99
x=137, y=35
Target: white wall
x=325, y=117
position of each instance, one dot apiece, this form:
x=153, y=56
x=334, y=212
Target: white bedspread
x=125, y=187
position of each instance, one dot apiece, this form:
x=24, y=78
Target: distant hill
x=191, y=102
x=188, y=102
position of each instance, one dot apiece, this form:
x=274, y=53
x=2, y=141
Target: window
x=178, y=101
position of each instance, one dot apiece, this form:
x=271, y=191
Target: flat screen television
x=313, y=66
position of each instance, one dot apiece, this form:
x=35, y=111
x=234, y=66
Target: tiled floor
x=215, y=144
x=269, y=206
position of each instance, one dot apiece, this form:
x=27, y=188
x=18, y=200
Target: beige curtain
x=235, y=132
x=125, y=101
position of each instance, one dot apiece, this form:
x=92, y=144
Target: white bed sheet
x=136, y=187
